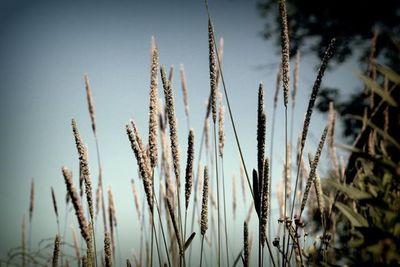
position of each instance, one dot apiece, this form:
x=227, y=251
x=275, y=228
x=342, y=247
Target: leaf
x=378, y=130
x=189, y=240
x=355, y=218
x=350, y=191
x=391, y=74
x=239, y=256
x=374, y=86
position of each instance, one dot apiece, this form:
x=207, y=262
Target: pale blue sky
x=47, y=46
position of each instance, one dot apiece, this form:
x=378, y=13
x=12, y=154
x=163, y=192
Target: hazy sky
x=47, y=46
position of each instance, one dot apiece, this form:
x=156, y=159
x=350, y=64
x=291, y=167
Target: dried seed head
x=331, y=139
x=249, y=212
x=313, y=170
x=84, y=262
x=242, y=180
x=189, y=168
x=265, y=203
x=111, y=206
x=328, y=54
x=76, y=202
x=173, y=130
x=296, y=78
x=220, y=56
x=153, y=105
x=84, y=167
x=318, y=189
x=99, y=198
x=56, y=251
x=221, y=134
x=136, y=199
x=213, y=70
x=107, y=250
x=246, y=245
x=90, y=103
x=277, y=85
x=204, y=206
x=261, y=131
x=89, y=247
x=280, y=195
x=53, y=198
x=32, y=200
x=142, y=161
x=184, y=89
x=285, y=50
x=75, y=243
x=171, y=74
x=287, y=171
x=234, y=198
x=23, y=241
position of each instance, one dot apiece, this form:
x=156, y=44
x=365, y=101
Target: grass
x=308, y=235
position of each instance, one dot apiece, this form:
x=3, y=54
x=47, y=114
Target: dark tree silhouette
x=313, y=23
x=354, y=23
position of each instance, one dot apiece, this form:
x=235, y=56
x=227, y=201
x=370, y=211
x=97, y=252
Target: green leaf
x=355, y=218
x=189, y=240
x=378, y=130
x=350, y=191
x=391, y=74
x=374, y=86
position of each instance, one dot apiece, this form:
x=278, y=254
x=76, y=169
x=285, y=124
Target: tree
x=313, y=23
x=367, y=29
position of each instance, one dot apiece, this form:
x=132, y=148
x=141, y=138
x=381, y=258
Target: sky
x=47, y=46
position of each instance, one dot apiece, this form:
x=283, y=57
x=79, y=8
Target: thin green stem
x=271, y=157
x=218, y=205
x=156, y=239
x=196, y=184
x=285, y=191
x=94, y=242
x=225, y=221
x=101, y=182
x=201, y=251
x=229, y=108
x=162, y=231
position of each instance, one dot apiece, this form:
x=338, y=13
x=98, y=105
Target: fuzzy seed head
x=213, y=70
x=265, y=203
x=285, y=50
x=76, y=202
x=56, y=251
x=142, y=161
x=313, y=170
x=204, y=206
x=32, y=200
x=107, y=250
x=328, y=54
x=189, y=168
x=153, y=125
x=246, y=245
x=90, y=103
x=84, y=166
x=173, y=130
x=221, y=133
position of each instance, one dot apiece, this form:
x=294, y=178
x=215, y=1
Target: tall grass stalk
x=196, y=182
x=285, y=81
x=213, y=90
x=162, y=231
x=229, y=108
x=92, y=114
x=204, y=212
x=328, y=54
